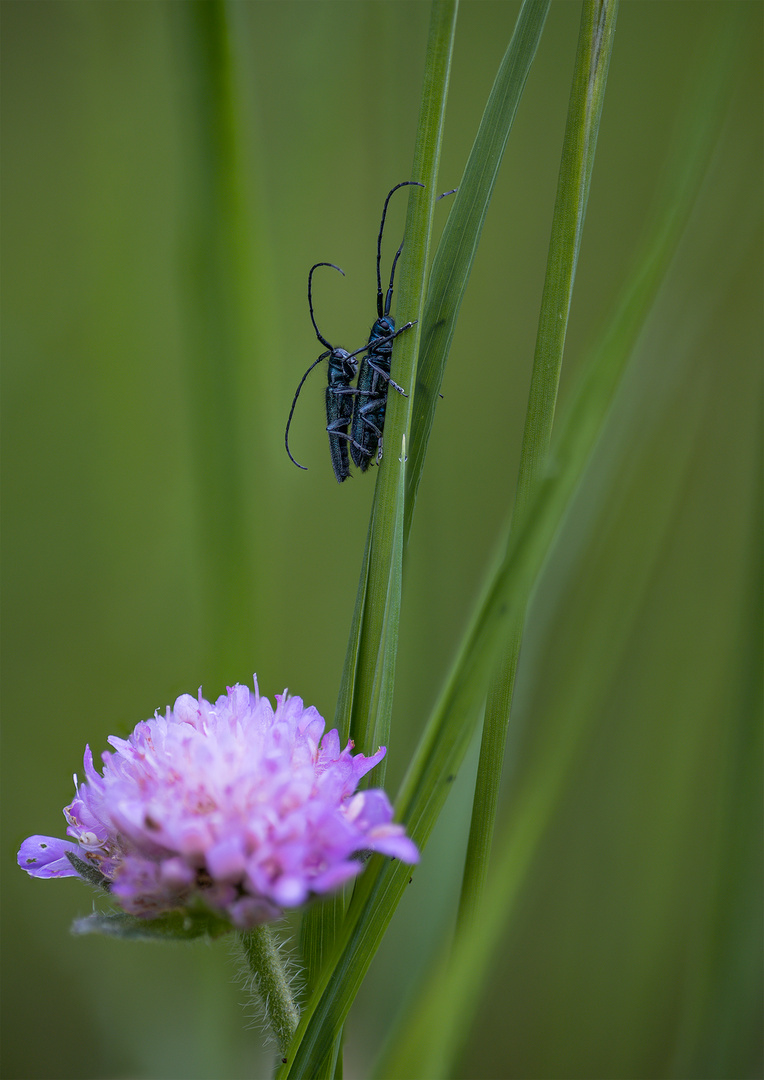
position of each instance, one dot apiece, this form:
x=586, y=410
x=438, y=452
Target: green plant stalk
x=270, y=982
x=443, y=745
x=364, y=705
x=323, y=919
x=428, y=781
x=458, y=245
x=219, y=275
x=437, y=1027
x=454, y=986
x=344, y=707
x=369, y=675
x=444, y=742
x=320, y=924
x=598, y=18
x=450, y=727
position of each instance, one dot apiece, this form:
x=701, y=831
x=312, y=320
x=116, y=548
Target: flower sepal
x=192, y=922
x=88, y=872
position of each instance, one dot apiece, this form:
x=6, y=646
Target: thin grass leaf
x=436, y=763
x=370, y=668
x=428, y=781
x=595, y=42
x=221, y=281
x=365, y=699
x=432, y=1036
x=456, y=251
x=437, y=1030
x=449, y=730
x=347, y=685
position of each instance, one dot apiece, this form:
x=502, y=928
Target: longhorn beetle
x=368, y=418
x=339, y=393
x=374, y=375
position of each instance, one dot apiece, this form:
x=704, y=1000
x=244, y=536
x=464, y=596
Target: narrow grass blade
x=432, y=1035
x=347, y=686
x=425, y=788
x=436, y=1031
x=365, y=700
x=437, y=760
x=453, y=260
x=221, y=315
x=372, y=673
x=448, y=732
x=595, y=43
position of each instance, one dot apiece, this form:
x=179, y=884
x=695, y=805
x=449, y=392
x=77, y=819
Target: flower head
x=244, y=807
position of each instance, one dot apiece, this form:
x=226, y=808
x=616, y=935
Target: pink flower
x=248, y=809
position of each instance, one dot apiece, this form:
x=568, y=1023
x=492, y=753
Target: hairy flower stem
x=270, y=980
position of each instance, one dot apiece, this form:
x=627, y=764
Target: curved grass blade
x=365, y=700
x=438, y=759
x=438, y=1028
x=452, y=987
x=598, y=18
x=443, y=745
x=448, y=732
x=370, y=670
x=453, y=260
x=366, y=694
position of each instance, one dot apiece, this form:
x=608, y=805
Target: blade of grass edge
x=319, y=925
x=453, y=985
x=437, y=1029
x=598, y=19
x=456, y=251
x=364, y=704
x=429, y=778
x=220, y=277
x=376, y=648
x=450, y=727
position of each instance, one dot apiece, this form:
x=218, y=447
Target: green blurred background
x=166, y=185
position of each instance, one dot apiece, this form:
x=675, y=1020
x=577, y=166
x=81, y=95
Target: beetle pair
x=361, y=408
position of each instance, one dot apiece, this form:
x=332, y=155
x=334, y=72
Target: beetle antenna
x=319, y=335
x=323, y=356
x=380, y=306
x=389, y=297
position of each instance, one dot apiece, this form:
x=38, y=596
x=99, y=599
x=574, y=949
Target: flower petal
x=45, y=857
x=236, y=805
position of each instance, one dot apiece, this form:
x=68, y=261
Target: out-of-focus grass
x=103, y=590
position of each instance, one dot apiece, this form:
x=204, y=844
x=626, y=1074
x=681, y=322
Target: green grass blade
x=432, y=1035
x=365, y=699
x=371, y=665
x=437, y=761
x=347, y=686
x=595, y=43
x=448, y=732
x=220, y=283
x=440, y=1024
x=453, y=260
x=428, y=781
